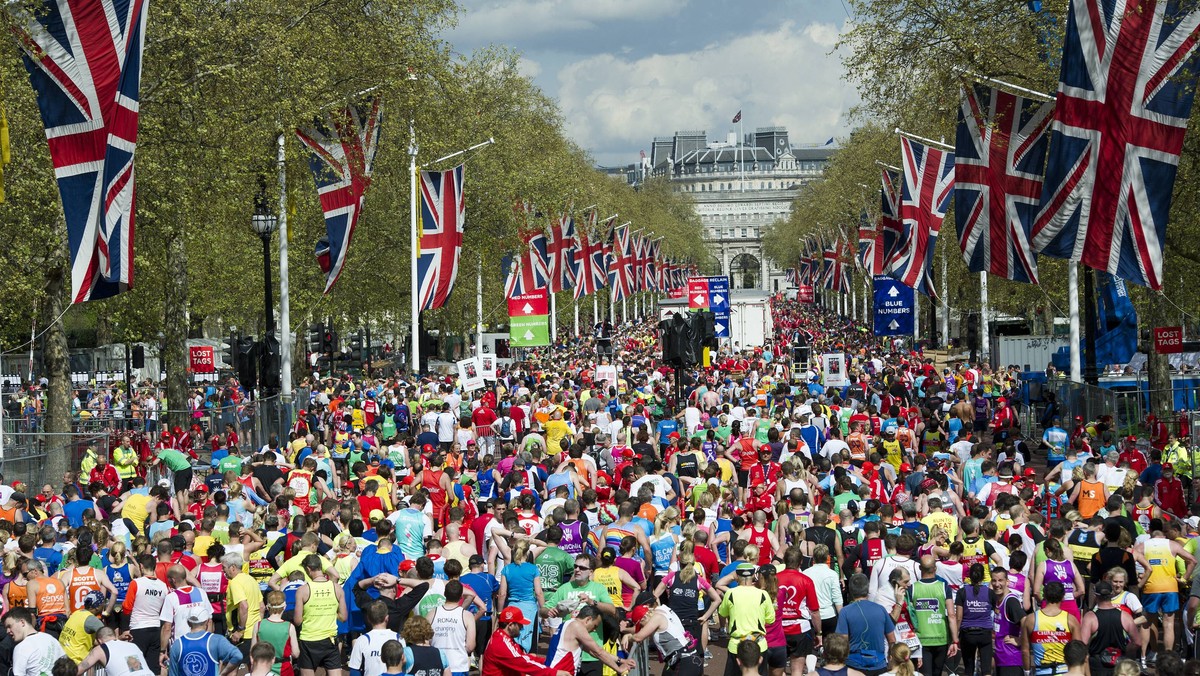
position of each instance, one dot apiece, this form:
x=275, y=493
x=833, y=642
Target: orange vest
x=18, y=594
x=80, y=583
x=1091, y=498
x=51, y=597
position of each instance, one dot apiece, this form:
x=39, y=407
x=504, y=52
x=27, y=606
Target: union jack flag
x=999, y=153
x=928, y=182
x=891, y=226
x=528, y=268
x=870, y=251
x=443, y=215
x=620, y=264
x=589, y=260
x=650, y=270
x=793, y=276
x=560, y=254
x=341, y=151
x=837, y=272
x=85, y=62
x=1125, y=94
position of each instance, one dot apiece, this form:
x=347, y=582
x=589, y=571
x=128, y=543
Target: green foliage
x=221, y=80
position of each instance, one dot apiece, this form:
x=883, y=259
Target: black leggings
x=976, y=641
x=933, y=660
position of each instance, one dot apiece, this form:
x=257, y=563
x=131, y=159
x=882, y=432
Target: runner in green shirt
x=580, y=590
x=554, y=565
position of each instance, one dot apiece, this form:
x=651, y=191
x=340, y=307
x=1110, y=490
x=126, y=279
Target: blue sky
x=624, y=71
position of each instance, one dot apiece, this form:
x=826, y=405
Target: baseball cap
x=1103, y=589
x=93, y=599
x=890, y=429
x=745, y=569
x=407, y=565
x=375, y=515
x=905, y=467
x=638, y=614
x=1193, y=522
x=199, y=613
x=475, y=560
x=512, y=614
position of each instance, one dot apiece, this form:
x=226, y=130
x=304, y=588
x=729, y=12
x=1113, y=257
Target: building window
x=743, y=232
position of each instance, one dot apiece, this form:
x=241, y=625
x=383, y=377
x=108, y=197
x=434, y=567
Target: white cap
x=1193, y=521
x=199, y=613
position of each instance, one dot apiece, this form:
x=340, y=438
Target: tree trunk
x=103, y=329
x=60, y=456
x=175, y=329
x=1162, y=399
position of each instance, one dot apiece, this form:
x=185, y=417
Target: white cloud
x=513, y=20
x=785, y=76
x=529, y=68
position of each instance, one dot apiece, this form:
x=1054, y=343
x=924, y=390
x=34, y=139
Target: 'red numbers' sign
x=804, y=294
x=1168, y=339
x=201, y=359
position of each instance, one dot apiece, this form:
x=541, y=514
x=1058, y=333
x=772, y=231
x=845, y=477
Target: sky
x=625, y=71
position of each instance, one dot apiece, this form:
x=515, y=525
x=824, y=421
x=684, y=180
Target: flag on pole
x=870, y=251
x=590, y=273
x=890, y=225
x=928, y=182
x=737, y=118
x=85, y=63
x=341, y=154
x=620, y=264
x=442, y=218
x=837, y=273
x=1125, y=95
x=528, y=269
x=560, y=253
x=998, y=157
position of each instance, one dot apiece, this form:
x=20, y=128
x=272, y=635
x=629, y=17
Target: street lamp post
x=264, y=223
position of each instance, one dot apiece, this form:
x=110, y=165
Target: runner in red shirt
x=797, y=606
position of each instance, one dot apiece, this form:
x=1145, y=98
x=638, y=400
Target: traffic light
x=356, y=345
x=229, y=351
x=247, y=362
x=316, y=337
x=269, y=372
x=329, y=341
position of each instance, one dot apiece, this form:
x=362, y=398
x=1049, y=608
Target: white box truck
x=750, y=320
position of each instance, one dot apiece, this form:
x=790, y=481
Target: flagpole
x=922, y=139
x=624, y=310
x=984, y=340
x=575, y=302
x=415, y=366
x=553, y=317
x=741, y=156
x=479, y=307
x=285, y=304
x=945, y=306
x=1073, y=309
x=916, y=317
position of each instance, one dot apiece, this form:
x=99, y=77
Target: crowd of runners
x=573, y=511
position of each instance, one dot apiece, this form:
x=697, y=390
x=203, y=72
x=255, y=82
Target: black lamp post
x=264, y=223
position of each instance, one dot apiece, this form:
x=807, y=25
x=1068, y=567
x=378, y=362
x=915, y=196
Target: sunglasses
x=582, y=568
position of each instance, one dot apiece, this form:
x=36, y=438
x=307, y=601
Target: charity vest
x=610, y=577
x=976, y=552
x=51, y=597
x=300, y=481
x=1091, y=498
x=894, y=452
x=927, y=607
x=1162, y=567
x=80, y=583
x=1046, y=642
x=76, y=642
x=320, y=612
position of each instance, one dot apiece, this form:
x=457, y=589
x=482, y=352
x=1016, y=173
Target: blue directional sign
x=718, y=304
x=894, y=307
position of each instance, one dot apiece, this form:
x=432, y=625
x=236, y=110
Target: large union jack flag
x=928, y=182
x=590, y=273
x=1125, y=93
x=870, y=251
x=653, y=250
x=528, y=269
x=341, y=150
x=793, y=276
x=85, y=62
x=837, y=268
x=443, y=215
x=560, y=254
x=998, y=157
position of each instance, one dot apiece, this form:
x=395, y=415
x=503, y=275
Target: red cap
x=905, y=467
x=627, y=453
x=1168, y=466
x=1131, y=439
x=1030, y=472
x=407, y=565
x=202, y=488
x=673, y=435
x=348, y=484
x=868, y=467
x=16, y=484
x=511, y=614
x=427, y=448
x=638, y=614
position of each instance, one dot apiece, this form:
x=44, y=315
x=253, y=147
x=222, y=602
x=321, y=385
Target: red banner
x=1168, y=339
x=530, y=304
x=804, y=294
x=201, y=359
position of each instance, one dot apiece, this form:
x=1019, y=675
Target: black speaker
x=139, y=357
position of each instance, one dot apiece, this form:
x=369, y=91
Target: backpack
x=505, y=427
